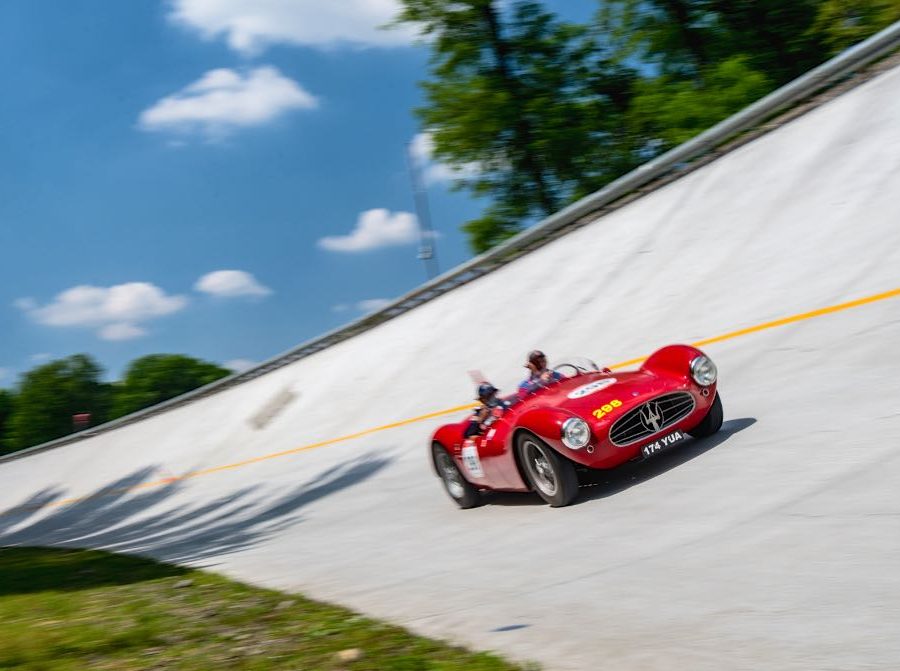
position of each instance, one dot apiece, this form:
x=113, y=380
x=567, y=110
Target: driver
x=540, y=376
x=491, y=407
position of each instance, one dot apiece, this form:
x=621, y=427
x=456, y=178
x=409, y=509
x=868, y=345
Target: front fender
x=546, y=423
x=672, y=360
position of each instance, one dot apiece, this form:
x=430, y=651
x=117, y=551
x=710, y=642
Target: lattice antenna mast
x=427, y=239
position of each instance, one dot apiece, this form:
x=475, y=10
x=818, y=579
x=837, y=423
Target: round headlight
x=575, y=433
x=703, y=371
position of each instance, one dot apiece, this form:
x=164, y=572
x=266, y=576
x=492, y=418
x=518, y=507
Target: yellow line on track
x=803, y=316
x=784, y=321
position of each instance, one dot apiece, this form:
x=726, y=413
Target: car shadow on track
x=130, y=516
x=602, y=484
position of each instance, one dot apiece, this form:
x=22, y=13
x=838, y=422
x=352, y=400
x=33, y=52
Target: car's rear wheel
x=551, y=476
x=712, y=422
x=458, y=488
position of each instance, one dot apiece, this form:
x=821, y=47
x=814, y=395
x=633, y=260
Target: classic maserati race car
x=590, y=419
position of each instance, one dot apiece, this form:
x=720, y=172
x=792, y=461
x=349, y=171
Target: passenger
x=540, y=375
x=485, y=414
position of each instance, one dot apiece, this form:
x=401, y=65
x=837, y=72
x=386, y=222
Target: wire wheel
x=549, y=473
x=450, y=475
x=463, y=492
x=540, y=469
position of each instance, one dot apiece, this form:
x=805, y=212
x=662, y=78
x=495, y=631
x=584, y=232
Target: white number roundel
x=592, y=387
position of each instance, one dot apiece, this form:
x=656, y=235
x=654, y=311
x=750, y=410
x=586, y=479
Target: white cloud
x=223, y=100
x=364, y=306
x=4, y=373
x=373, y=304
x=121, y=331
x=25, y=303
x=422, y=148
x=249, y=27
x=115, y=311
x=40, y=357
x=239, y=365
x=231, y=283
x=374, y=229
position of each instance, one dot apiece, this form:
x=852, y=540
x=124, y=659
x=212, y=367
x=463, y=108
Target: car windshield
x=575, y=366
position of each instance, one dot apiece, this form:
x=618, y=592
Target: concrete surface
x=774, y=545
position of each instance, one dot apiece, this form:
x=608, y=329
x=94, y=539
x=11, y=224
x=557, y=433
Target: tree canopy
x=42, y=407
x=158, y=377
x=6, y=408
x=840, y=24
x=548, y=111
x=530, y=100
x=50, y=395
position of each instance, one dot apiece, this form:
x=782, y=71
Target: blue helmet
x=486, y=390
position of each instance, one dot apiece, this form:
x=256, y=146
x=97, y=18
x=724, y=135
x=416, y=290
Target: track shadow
x=122, y=517
x=601, y=484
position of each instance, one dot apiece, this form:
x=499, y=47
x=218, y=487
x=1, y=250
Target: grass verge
x=64, y=610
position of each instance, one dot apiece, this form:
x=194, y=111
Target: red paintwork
x=544, y=412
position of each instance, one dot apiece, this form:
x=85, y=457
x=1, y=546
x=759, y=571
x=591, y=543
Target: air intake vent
x=651, y=417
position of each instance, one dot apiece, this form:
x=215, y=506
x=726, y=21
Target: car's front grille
x=651, y=417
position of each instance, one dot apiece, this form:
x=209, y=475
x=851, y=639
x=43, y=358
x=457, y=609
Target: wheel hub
x=451, y=478
x=541, y=470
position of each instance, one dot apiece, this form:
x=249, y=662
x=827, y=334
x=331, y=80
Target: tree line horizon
x=44, y=404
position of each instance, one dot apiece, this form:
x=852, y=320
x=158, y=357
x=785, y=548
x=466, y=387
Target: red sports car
x=590, y=419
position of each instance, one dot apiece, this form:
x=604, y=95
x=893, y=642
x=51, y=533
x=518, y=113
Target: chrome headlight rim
x=704, y=371
x=576, y=433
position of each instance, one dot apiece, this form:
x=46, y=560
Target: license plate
x=663, y=443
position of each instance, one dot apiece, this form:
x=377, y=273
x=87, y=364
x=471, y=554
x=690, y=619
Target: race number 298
x=607, y=408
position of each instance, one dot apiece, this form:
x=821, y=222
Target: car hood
x=584, y=394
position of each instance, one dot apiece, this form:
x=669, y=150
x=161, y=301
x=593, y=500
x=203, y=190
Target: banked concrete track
x=775, y=545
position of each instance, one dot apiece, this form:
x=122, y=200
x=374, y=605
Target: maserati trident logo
x=650, y=416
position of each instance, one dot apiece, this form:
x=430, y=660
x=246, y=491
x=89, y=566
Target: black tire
x=712, y=422
x=549, y=474
x=455, y=484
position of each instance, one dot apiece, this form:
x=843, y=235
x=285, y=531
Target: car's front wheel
x=460, y=490
x=712, y=422
x=551, y=476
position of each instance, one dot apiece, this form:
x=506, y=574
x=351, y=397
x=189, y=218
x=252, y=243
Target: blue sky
x=217, y=178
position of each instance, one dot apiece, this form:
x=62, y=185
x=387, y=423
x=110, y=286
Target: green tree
x=158, y=377
x=773, y=35
x=669, y=37
x=534, y=102
x=841, y=23
x=688, y=38
x=6, y=407
x=50, y=395
x=706, y=59
x=550, y=111
x=668, y=111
